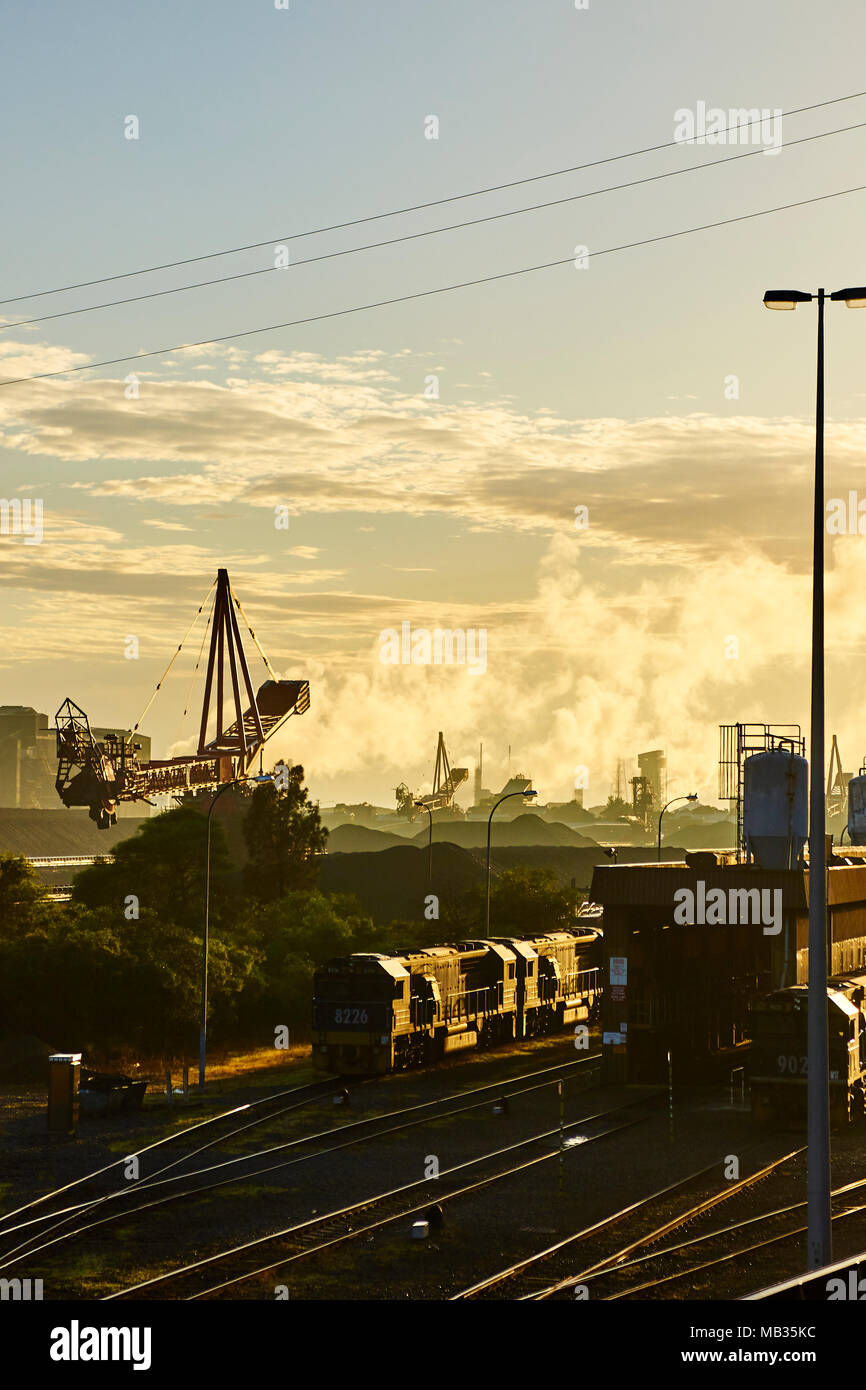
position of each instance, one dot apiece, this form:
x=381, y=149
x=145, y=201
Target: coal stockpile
x=44, y=833
x=391, y=884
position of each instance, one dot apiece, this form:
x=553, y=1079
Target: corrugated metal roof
x=653, y=885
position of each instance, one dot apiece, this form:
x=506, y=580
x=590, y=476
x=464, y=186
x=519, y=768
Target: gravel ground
x=482, y=1231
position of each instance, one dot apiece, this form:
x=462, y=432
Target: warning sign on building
x=619, y=970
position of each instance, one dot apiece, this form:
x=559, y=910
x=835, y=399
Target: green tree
x=87, y=979
x=291, y=937
x=284, y=836
x=21, y=895
x=524, y=901
x=161, y=870
x=147, y=905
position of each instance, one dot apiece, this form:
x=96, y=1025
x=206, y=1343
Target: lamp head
x=854, y=298
x=785, y=299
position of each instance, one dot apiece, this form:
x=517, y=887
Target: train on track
x=779, y=1059
x=377, y=1013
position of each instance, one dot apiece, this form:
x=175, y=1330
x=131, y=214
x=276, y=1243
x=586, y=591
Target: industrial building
x=690, y=946
x=688, y=986
x=28, y=758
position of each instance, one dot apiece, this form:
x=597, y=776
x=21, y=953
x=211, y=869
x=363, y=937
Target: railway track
x=322, y=1233
x=525, y=1283
x=621, y=1281
x=303, y=1095
x=82, y=1219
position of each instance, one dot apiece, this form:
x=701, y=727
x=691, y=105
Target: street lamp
x=819, y=1237
x=692, y=796
x=202, y=1037
x=422, y=806
x=489, y=821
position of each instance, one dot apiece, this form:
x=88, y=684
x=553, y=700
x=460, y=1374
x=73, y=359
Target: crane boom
x=100, y=774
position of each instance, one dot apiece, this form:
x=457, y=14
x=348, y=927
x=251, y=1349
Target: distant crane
x=446, y=781
x=99, y=775
x=837, y=786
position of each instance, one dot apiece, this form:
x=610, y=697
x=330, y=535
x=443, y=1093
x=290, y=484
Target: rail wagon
x=379, y=1013
x=779, y=1058
x=557, y=980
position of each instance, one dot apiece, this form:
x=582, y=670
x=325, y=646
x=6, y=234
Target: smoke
x=583, y=675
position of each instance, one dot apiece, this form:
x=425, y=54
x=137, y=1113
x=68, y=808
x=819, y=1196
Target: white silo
x=775, y=808
x=857, y=809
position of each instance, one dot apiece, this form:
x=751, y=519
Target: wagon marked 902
x=379, y=1013
x=780, y=1051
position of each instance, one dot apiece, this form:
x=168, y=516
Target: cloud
x=611, y=638
x=24, y=359
x=343, y=437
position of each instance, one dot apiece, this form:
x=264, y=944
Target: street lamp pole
x=489, y=823
x=692, y=796
x=422, y=807
x=819, y=1237
x=202, y=1037
x=819, y=1229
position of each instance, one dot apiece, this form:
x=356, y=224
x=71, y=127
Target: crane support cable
x=272, y=673
x=173, y=660
x=185, y=710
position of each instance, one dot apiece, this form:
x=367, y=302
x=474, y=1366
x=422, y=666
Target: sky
x=605, y=465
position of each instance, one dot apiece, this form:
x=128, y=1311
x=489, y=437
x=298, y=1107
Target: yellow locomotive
x=377, y=1013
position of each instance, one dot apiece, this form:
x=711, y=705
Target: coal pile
x=391, y=884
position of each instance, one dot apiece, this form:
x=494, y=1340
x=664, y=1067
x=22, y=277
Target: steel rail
x=150, y=1180
x=706, y=1205
x=724, y=1231
x=365, y=1202
x=166, y=1139
x=440, y=1200
x=731, y=1255
x=27, y=1248
x=511, y=1271
x=82, y=1208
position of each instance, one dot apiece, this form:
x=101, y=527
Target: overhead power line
x=426, y=294
x=416, y=236
x=399, y=212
